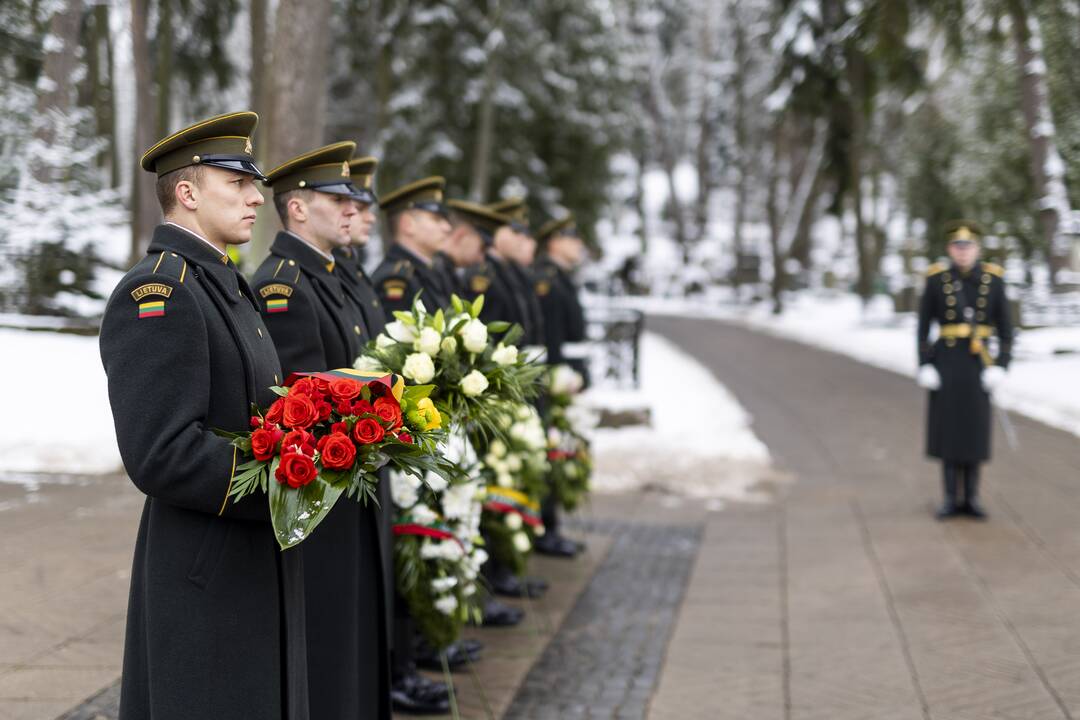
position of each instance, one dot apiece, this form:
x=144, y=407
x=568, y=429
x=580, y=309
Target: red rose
x=299, y=411
x=338, y=451
x=296, y=470
x=273, y=415
x=405, y=438
x=255, y=421
x=264, y=442
x=343, y=407
x=362, y=407
x=324, y=409
x=301, y=439
x=304, y=386
x=367, y=431
x=339, y=427
x=389, y=411
x=344, y=389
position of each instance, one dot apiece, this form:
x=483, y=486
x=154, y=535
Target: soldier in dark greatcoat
x=966, y=300
x=216, y=613
x=317, y=325
x=562, y=250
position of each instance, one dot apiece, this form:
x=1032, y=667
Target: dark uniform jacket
x=962, y=305
x=564, y=318
x=401, y=275
x=447, y=272
x=318, y=327
x=526, y=286
x=216, y=612
x=503, y=297
x=359, y=288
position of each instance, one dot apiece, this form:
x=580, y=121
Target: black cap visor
x=335, y=188
x=236, y=163
x=364, y=195
x=432, y=207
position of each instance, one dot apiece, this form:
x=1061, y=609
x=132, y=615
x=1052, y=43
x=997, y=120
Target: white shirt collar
x=189, y=231
x=328, y=256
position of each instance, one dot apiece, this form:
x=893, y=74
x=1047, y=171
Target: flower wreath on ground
x=569, y=423
x=514, y=468
x=437, y=554
x=473, y=379
x=328, y=434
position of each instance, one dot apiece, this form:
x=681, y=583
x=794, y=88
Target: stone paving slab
x=880, y=612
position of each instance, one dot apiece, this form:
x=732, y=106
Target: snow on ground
x=1041, y=383
x=58, y=418
x=699, y=443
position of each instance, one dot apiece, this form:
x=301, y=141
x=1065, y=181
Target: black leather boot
x=413, y=694
x=949, y=508
x=972, y=506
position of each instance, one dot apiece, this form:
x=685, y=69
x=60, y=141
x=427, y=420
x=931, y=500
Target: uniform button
x=259, y=330
x=292, y=262
x=240, y=293
x=275, y=379
x=356, y=329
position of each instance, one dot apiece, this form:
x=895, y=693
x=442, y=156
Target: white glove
x=992, y=377
x=928, y=377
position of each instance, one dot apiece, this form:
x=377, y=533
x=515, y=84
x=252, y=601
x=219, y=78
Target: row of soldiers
x=220, y=622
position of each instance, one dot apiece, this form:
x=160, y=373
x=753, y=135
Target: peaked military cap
x=481, y=217
x=559, y=226
x=426, y=194
x=324, y=169
x=363, y=177
x=963, y=230
x=223, y=141
x=516, y=210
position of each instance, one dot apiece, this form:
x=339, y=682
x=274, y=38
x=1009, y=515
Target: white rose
x=479, y=556
x=513, y=521
x=423, y=514
x=457, y=501
x=504, y=480
x=474, y=336
x=441, y=585
x=521, y=542
x=449, y=345
x=564, y=381
x=403, y=489
x=472, y=384
x=419, y=367
x=525, y=412
x=513, y=463
x=368, y=364
x=469, y=590
x=436, y=482
x=384, y=341
x=505, y=355
x=401, y=332
x=498, y=448
x=539, y=531
x=446, y=604
x=428, y=342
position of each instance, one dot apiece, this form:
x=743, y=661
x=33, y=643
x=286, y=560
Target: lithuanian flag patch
x=276, y=305
x=151, y=309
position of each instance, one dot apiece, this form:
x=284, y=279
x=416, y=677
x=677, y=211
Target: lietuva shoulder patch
x=994, y=269
x=936, y=269
x=275, y=289
x=394, y=288
x=479, y=283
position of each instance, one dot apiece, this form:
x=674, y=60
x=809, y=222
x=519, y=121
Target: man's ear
x=187, y=195
x=298, y=209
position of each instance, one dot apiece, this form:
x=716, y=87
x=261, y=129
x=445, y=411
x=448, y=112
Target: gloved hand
x=992, y=377
x=928, y=377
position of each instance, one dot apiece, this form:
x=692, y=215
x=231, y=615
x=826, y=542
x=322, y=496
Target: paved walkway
x=845, y=600
x=841, y=600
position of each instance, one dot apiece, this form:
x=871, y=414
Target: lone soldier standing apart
x=216, y=613
x=966, y=298
x=317, y=326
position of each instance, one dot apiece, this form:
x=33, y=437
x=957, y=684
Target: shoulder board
x=287, y=269
x=994, y=269
x=404, y=268
x=936, y=269
x=169, y=264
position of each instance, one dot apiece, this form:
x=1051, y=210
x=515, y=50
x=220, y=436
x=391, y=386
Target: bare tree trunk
x=257, y=16
x=642, y=162
x=485, y=127
x=707, y=124
x=1047, y=166
x=99, y=63
x=297, y=88
x=145, y=212
x=864, y=283
x=742, y=138
x=772, y=214
x=56, y=88
x=163, y=44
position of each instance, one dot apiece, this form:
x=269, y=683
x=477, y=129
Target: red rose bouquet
x=328, y=434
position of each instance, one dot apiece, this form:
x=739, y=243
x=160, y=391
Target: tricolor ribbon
x=436, y=530
x=396, y=383
x=507, y=500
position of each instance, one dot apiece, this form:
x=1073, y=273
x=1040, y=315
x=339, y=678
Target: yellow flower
x=428, y=411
